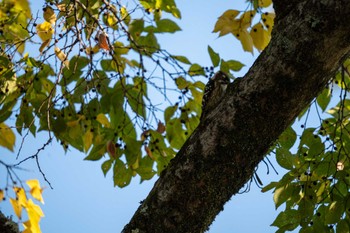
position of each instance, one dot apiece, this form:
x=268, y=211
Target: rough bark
x=310, y=40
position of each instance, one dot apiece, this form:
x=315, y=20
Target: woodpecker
x=213, y=92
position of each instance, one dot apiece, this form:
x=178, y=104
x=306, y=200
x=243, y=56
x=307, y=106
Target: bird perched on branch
x=213, y=92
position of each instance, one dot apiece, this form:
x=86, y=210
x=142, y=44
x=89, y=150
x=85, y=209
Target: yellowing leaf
x=20, y=195
x=2, y=195
x=125, y=15
x=88, y=136
x=92, y=50
x=227, y=22
x=34, y=214
x=268, y=19
x=62, y=56
x=17, y=208
x=45, y=31
x=49, y=15
x=260, y=36
x=103, y=120
x=43, y=45
x=245, y=38
x=72, y=123
x=35, y=190
x=246, y=19
x=7, y=137
x=149, y=152
x=264, y=3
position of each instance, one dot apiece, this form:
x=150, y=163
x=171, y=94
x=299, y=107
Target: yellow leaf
x=245, y=38
x=2, y=195
x=92, y=50
x=35, y=190
x=17, y=208
x=264, y=3
x=49, y=15
x=246, y=19
x=43, y=45
x=62, y=56
x=268, y=19
x=45, y=31
x=260, y=36
x=125, y=15
x=88, y=136
x=34, y=214
x=23, y=7
x=20, y=195
x=103, y=120
x=7, y=137
x=227, y=23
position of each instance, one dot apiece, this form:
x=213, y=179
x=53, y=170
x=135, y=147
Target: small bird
x=214, y=91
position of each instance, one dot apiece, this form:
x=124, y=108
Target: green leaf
x=343, y=226
x=148, y=43
x=121, y=175
x=283, y=193
x=284, y=158
x=181, y=83
x=233, y=65
x=269, y=187
x=106, y=166
x=334, y=212
x=145, y=169
x=324, y=98
x=132, y=150
x=215, y=58
x=167, y=25
x=136, y=102
x=169, y=112
x=96, y=152
x=196, y=69
x=136, y=27
x=175, y=133
x=7, y=137
x=182, y=59
x=78, y=63
x=288, y=138
x=288, y=219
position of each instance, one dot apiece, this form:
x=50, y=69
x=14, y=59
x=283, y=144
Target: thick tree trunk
x=310, y=40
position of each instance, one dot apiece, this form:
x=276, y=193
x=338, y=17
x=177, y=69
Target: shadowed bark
x=311, y=38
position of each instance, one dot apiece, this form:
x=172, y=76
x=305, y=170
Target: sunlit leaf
x=88, y=136
x=7, y=137
x=49, y=15
x=62, y=56
x=35, y=190
x=103, y=120
x=167, y=25
x=264, y=3
x=45, y=31
x=227, y=22
x=196, y=69
x=214, y=57
x=260, y=36
x=17, y=208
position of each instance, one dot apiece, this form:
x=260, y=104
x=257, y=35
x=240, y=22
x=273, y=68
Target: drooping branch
x=308, y=44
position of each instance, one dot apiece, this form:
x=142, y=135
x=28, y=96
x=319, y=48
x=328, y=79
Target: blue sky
x=83, y=200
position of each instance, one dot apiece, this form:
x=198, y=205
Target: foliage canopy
x=93, y=76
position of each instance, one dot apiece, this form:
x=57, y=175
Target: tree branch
x=308, y=45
